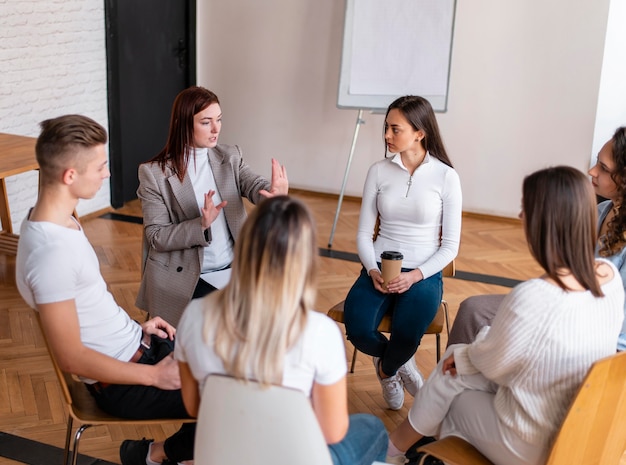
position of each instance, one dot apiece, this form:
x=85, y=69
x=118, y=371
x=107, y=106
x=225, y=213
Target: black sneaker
x=135, y=452
x=423, y=458
x=419, y=457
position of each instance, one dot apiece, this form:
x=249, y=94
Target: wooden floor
x=30, y=401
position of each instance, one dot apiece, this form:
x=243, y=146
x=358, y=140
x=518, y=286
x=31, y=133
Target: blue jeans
x=411, y=313
x=365, y=442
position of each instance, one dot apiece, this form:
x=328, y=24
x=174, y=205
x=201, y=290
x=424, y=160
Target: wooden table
x=17, y=155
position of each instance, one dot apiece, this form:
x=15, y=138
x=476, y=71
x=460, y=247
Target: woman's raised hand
x=280, y=183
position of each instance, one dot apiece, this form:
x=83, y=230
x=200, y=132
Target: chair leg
x=77, y=436
x=68, y=437
x=438, y=337
x=353, y=361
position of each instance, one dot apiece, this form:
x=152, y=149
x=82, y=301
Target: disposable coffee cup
x=391, y=265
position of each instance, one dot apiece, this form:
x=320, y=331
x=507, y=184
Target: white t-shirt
x=420, y=215
x=55, y=264
x=220, y=253
x=318, y=355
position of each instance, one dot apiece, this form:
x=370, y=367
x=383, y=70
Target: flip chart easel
x=392, y=49
x=359, y=122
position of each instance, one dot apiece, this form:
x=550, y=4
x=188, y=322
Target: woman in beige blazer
x=191, y=197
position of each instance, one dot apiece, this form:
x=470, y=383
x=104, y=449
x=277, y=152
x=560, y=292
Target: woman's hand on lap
x=377, y=281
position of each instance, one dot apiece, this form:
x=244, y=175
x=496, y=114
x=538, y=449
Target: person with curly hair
x=608, y=177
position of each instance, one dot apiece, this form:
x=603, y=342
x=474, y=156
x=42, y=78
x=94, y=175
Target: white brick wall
x=52, y=62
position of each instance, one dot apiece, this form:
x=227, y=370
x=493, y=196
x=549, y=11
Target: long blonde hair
x=261, y=313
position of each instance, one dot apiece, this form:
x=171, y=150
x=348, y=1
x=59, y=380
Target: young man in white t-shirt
x=127, y=367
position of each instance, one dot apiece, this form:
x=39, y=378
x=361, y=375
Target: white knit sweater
x=539, y=348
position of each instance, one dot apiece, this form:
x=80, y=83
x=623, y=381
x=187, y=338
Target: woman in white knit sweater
x=508, y=391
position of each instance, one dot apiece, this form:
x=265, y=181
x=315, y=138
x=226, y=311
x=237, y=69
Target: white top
x=220, y=254
x=318, y=355
x=55, y=264
x=541, y=344
x=420, y=215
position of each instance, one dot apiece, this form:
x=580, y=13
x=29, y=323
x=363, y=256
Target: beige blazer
x=173, y=227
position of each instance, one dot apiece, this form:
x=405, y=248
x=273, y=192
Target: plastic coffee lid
x=391, y=255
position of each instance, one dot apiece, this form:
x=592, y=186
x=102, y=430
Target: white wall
x=523, y=91
x=52, y=62
x=611, y=112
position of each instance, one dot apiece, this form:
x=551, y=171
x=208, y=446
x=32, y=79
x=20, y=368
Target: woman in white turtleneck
x=191, y=198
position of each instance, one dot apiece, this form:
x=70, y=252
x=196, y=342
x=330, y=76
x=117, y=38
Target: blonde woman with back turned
x=261, y=327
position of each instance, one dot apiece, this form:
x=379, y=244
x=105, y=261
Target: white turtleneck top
x=220, y=253
x=420, y=214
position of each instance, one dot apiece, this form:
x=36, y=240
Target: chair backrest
x=241, y=422
x=594, y=430
x=65, y=379
x=80, y=403
x=449, y=270
x=441, y=317
x=435, y=326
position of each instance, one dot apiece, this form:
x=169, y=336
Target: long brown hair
x=613, y=241
x=420, y=115
x=177, y=150
x=560, y=219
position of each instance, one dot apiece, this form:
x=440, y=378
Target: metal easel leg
x=359, y=122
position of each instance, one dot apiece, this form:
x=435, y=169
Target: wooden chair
x=436, y=326
x=82, y=408
x=242, y=422
x=593, y=431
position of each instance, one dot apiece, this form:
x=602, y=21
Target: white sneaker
x=393, y=391
x=396, y=459
x=411, y=376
